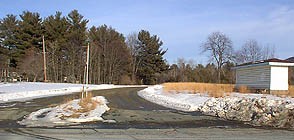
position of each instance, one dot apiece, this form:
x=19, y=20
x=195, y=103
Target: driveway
x=135, y=118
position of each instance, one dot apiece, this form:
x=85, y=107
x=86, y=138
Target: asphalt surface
x=135, y=119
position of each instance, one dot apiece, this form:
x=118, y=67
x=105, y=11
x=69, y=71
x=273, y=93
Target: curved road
x=135, y=118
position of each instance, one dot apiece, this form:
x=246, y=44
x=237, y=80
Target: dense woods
x=137, y=58
x=113, y=58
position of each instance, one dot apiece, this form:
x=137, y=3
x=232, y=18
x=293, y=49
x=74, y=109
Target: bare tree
x=220, y=48
x=268, y=52
x=31, y=64
x=134, y=47
x=181, y=63
x=109, y=56
x=251, y=51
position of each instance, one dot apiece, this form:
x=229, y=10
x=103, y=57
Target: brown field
x=243, y=89
x=214, y=90
x=291, y=90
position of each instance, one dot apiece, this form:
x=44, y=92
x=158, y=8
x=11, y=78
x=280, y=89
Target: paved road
x=136, y=119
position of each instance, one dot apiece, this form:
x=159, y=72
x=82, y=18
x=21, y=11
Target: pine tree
x=76, y=38
x=30, y=31
x=29, y=45
x=56, y=27
x=8, y=50
x=151, y=57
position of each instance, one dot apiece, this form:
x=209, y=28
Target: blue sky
x=183, y=25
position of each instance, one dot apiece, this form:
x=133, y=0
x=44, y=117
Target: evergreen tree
x=151, y=56
x=30, y=31
x=29, y=44
x=55, y=38
x=76, y=38
x=8, y=50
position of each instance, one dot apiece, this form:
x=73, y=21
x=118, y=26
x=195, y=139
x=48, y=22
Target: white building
x=271, y=75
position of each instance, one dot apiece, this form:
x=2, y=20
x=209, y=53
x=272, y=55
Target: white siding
x=279, y=78
x=254, y=77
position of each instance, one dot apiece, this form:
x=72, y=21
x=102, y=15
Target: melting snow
x=182, y=101
x=66, y=114
x=192, y=102
x=255, y=109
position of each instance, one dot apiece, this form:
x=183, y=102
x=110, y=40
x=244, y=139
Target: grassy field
x=215, y=90
x=291, y=90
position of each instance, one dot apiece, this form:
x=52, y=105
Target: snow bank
x=66, y=114
x=29, y=90
x=183, y=101
x=255, y=109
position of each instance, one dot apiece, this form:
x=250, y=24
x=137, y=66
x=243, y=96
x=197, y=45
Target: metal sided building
x=270, y=75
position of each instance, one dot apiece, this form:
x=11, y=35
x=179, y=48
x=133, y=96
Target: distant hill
x=290, y=59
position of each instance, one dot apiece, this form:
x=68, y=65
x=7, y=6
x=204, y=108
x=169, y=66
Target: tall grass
x=86, y=105
x=291, y=90
x=215, y=90
x=243, y=89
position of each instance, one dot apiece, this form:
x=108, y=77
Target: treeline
x=189, y=71
x=114, y=58
x=111, y=59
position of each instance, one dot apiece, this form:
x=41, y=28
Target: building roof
x=271, y=62
x=291, y=59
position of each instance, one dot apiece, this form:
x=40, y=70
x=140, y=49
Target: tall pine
x=151, y=57
x=56, y=27
x=29, y=44
x=30, y=31
x=8, y=51
x=76, y=39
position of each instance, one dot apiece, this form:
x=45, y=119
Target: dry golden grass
x=87, y=104
x=291, y=90
x=215, y=90
x=243, y=89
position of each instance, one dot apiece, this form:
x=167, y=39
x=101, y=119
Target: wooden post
x=87, y=75
x=44, y=56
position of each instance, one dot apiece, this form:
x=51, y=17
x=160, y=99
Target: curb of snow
x=255, y=109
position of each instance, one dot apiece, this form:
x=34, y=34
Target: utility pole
x=87, y=74
x=44, y=56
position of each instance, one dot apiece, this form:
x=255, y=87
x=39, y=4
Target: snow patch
x=183, y=101
x=66, y=114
